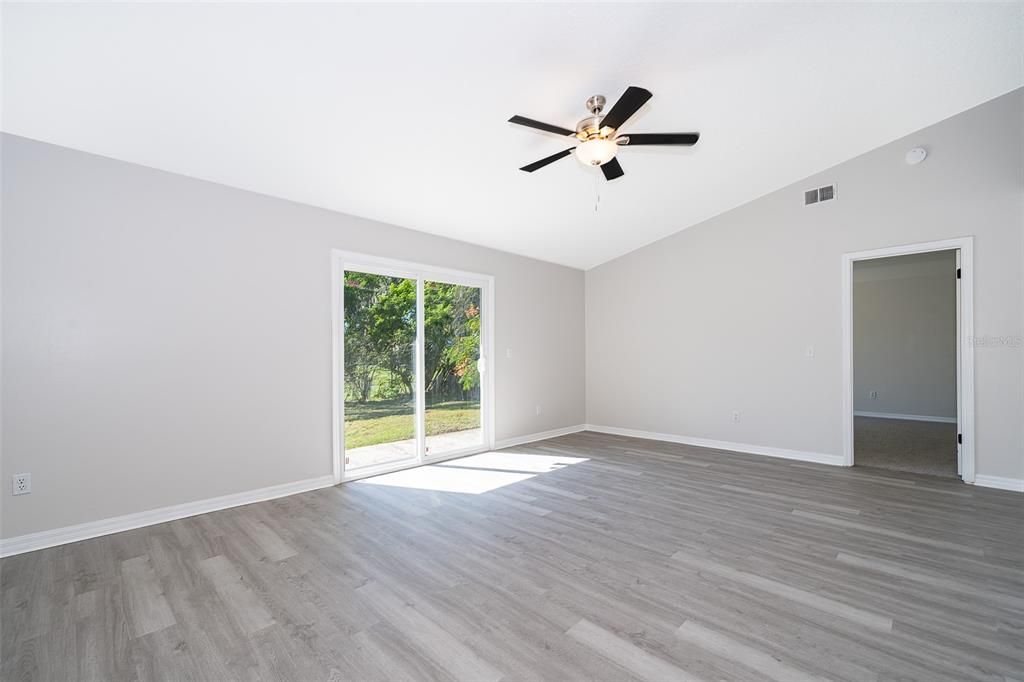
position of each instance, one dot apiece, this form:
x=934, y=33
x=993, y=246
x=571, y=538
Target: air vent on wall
x=819, y=194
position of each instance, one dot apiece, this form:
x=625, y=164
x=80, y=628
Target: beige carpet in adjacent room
x=902, y=445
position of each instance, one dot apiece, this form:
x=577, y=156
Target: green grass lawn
x=385, y=421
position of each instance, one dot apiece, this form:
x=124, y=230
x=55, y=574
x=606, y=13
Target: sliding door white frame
x=965, y=342
x=342, y=261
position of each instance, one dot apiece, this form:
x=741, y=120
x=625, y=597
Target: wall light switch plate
x=809, y=352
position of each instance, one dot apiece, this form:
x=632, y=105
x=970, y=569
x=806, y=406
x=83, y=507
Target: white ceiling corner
x=398, y=112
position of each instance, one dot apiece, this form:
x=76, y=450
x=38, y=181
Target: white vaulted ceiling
x=398, y=112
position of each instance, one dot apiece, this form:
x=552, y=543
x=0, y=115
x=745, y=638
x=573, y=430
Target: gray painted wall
x=167, y=339
x=904, y=335
x=718, y=317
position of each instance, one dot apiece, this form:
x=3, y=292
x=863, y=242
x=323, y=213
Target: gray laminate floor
x=582, y=557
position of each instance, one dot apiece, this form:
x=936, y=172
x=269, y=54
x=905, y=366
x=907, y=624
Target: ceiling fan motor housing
x=590, y=127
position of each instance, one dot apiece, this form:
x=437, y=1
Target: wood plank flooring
x=646, y=561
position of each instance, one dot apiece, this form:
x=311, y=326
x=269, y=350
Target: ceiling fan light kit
x=596, y=152
x=597, y=135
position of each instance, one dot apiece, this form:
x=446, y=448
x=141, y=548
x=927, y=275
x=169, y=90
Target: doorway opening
x=908, y=359
x=411, y=378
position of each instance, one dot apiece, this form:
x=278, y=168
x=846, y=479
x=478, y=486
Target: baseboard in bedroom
x=1001, y=482
x=908, y=417
x=542, y=435
x=784, y=453
x=83, y=531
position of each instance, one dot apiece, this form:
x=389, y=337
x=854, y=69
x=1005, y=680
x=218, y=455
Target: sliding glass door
x=452, y=368
x=380, y=369
x=411, y=381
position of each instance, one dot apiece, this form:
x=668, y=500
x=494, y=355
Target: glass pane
x=451, y=349
x=380, y=370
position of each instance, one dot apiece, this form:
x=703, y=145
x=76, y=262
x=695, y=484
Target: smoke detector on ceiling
x=916, y=155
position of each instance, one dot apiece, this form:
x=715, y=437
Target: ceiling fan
x=598, y=135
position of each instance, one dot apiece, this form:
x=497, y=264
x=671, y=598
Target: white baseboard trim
x=909, y=417
x=83, y=531
x=1001, y=482
x=784, y=453
x=543, y=435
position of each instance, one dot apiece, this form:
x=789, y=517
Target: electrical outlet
x=874, y=395
x=539, y=410
x=22, y=484
x=508, y=352
x=736, y=416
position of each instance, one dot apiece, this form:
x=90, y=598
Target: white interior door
x=959, y=373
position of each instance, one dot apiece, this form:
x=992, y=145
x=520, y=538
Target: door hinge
x=958, y=273
x=959, y=439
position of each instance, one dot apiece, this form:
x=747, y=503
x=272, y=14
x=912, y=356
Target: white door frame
x=965, y=345
x=359, y=262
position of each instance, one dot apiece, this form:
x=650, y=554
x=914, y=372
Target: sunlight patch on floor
x=474, y=474
x=514, y=461
x=448, y=480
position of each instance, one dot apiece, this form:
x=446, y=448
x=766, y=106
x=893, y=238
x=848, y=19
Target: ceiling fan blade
x=632, y=99
x=662, y=138
x=529, y=168
x=539, y=125
x=612, y=169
